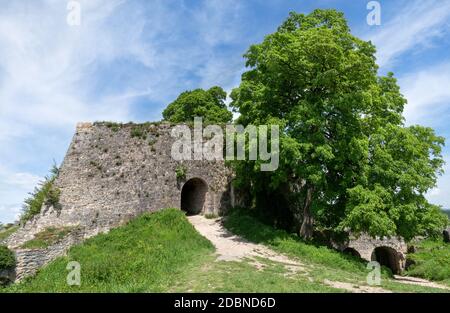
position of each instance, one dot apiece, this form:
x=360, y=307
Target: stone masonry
x=108, y=177
x=393, y=250
x=113, y=173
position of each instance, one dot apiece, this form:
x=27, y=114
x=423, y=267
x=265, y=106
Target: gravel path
x=230, y=247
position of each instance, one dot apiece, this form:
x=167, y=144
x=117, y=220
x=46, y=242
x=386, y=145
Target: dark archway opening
x=387, y=257
x=352, y=252
x=193, y=196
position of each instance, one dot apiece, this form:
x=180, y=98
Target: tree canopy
x=347, y=161
x=208, y=104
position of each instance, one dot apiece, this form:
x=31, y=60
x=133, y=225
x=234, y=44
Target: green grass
x=324, y=263
x=47, y=237
x=162, y=252
x=146, y=255
x=5, y=233
x=242, y=223
x=232, y=276
x=432, y=261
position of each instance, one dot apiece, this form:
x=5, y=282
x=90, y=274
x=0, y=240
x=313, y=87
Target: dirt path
x=419, y=282
x=230, y=247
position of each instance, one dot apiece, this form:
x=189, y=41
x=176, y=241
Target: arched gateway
x=193, y=196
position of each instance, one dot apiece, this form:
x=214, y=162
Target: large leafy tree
x=346, y=160
x=208, y=104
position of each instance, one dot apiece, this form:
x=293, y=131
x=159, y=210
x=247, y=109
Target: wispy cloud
x=13, y=187
x=53, y=75
x=439, y=195
x=415, y=26
x=428, y=94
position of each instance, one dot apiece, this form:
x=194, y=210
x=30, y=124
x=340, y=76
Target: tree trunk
x=306, y=230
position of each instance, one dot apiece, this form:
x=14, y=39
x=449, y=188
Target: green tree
x=344, y=149
x=209, y=104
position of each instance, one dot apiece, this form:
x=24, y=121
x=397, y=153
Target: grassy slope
x=159, y=252
x=432, y=261
x=5, y=233
x=145, y=255
x=325, y=263
x=162, y=252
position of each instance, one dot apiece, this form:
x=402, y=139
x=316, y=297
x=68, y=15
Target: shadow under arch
x=352, y=251
x=193, y=196
x=388, y=257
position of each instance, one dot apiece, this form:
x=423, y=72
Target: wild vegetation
x=45, y=193
x=47, y=237
x=431, y=261
x=181, y=171
x=145, y=255
x=162, y=252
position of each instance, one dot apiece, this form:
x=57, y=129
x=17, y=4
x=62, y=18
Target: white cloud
x=53, y=75
x=10, y=213
x=428, y=95
x=418, y=26
x=415, y=26
x=428, y=104
x=439, y=195
x=13, y=187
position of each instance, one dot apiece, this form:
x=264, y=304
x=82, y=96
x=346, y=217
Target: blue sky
x=128, y=59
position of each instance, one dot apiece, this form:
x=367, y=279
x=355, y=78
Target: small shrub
x=7, y=258
x=53, y=197
x=44, y=193
x=139, y=131
x=181, y=171
x=113, y=126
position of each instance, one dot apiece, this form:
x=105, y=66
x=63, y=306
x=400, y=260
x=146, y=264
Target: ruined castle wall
x=30, y=260
x=109, y=177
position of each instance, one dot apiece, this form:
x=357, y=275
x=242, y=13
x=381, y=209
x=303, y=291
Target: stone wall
x=366, y=245
x=109, y=177
x=30, y=260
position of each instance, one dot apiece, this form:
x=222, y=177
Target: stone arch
x=388, y=257
x=193, y=196
x=352, y=251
